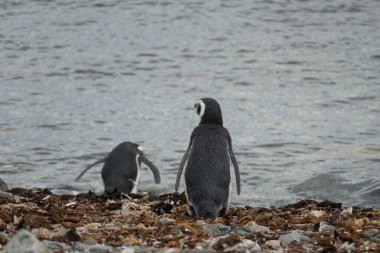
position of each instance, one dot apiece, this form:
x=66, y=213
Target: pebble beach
x=36, y=220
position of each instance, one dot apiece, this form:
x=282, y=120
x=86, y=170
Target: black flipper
x=89, y=167
x=153, y=169
x=182, y=164
x=236, y=166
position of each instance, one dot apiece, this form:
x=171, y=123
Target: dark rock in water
x=335, y=187
x=25, y=242
x=301, y=204
x=329, y=204
x=3, y=186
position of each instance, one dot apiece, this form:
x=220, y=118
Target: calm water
x=298, y=83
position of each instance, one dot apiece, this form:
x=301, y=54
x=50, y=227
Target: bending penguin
x=207, y=163
x=121, y=170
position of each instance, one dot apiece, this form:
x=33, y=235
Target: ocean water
x=298, y=83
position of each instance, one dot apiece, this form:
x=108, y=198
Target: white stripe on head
x=203, y=108
x=140, y=148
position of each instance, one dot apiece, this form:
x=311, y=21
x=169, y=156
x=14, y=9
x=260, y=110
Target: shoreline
x=146, y=223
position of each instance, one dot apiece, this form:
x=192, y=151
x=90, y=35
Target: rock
x=3, y=186
x=41, y=233
x=293, y=236
x=57, y=246
x=273, y=244
x=5, y=194
x=60, y=233
x=25, y=242
x=172, y=250
x=373, y=233
x=245, y=246
x=72, y=235
x=95, y=248
x=128, y=250
x=90, y=228
x=166, y=220
x=324, y=228
x=197, y=251
x=214, y=229
x=254, y=227
x=99, y=248
x=347, y=247
x=79, y=246
x=90, y=242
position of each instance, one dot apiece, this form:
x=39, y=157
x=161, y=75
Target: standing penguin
x=208, y=161
x=121, y=170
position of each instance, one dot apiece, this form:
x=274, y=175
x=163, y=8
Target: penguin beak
x=196, y=106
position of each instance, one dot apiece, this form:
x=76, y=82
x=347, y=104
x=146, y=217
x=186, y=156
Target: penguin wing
x=235, y=164
x=89, y=167
x=183, y=162
x=152, y=168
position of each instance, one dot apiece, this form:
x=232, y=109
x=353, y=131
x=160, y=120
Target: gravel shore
x=36, y=220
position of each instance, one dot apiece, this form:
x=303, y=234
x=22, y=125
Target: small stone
x=72, y=235
x=324, y=228
x=317, y=213
x=57, y=246
x=128, y=250
x=79, y=246
x=214, y=229
x=99, y=248
x=90, y=228
x=347, y=247
x=25, y=242
x=293, y=236
x=90, y=242
x=5, y=194
x=198, y=250
x=245, y=246
x=168, y=238
x=166, y=220
x=41, y=233
x=60, y=233
x=254, y=227
x=273, y=244
x=371, y=232
x=141, y=227
x=171, y=250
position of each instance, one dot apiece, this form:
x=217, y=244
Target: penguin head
x=208, y=109
x=128, y=148
x=206, y=209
